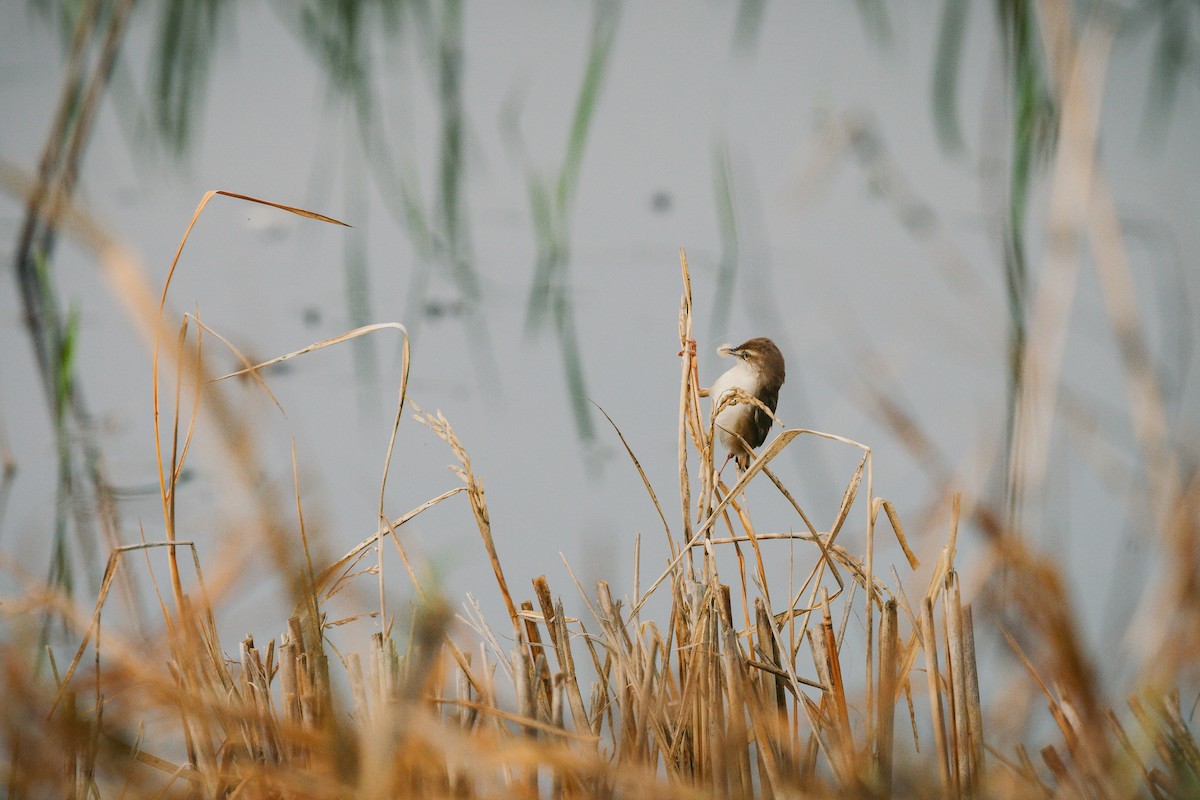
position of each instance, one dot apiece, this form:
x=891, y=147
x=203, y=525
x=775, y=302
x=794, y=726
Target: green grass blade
x=730, y=240
x=186, y=42
x=551, y=254
x=875, y=21
x=748, y=26
x=604, y=29
x=946, y=69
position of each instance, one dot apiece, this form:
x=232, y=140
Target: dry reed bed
x=737, y=690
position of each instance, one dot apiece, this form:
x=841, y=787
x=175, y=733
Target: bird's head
x=760, y=353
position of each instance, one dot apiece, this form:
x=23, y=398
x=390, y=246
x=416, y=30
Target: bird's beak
x=726, y=350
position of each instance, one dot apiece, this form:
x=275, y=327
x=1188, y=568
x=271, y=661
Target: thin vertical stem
x=929, y=640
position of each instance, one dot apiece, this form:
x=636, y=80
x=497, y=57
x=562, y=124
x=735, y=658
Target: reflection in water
x=428, y=196
x=439, y=230
x=551, y=202
x=727, y=226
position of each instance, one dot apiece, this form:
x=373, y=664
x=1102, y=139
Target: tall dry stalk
x=717, y=688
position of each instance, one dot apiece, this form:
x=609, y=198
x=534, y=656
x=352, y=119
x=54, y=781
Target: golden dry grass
x=705, y=684
x=734, y=688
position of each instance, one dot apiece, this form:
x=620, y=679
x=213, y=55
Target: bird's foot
x=724, y=464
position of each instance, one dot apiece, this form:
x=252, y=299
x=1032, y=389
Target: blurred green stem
x=551, y=203
x=1030, y=101
x=52, y=338
x=358, y=283
x=727, y=224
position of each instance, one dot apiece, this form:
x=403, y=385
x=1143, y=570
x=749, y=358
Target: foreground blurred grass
x=703, y=684
x=713, y=694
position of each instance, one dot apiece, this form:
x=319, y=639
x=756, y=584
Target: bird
x=759, y=372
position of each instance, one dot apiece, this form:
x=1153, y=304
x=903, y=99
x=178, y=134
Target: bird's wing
x=760, y=421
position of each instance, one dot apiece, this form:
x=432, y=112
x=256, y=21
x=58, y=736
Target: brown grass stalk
x=707, y=700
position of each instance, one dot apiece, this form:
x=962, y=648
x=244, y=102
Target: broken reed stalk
x=702, y=707
x=972, y=700
x=962, y=751
x=687, y=401
x=886, y=696
x=929, y=640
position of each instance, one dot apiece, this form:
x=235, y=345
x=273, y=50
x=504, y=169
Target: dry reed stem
x=1074, y=171
x=886, y=696
x=963, y=750
x=441, y=427
x=688, y=403
x=645, y=482
x=236, y=439
x=929, y=640
x=686, y=715
x=972, y=698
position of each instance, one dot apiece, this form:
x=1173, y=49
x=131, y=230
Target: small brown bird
x=759, y=372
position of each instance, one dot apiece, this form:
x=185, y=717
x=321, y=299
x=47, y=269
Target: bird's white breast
x=745, y=377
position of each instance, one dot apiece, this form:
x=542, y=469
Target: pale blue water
x=826, y=269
